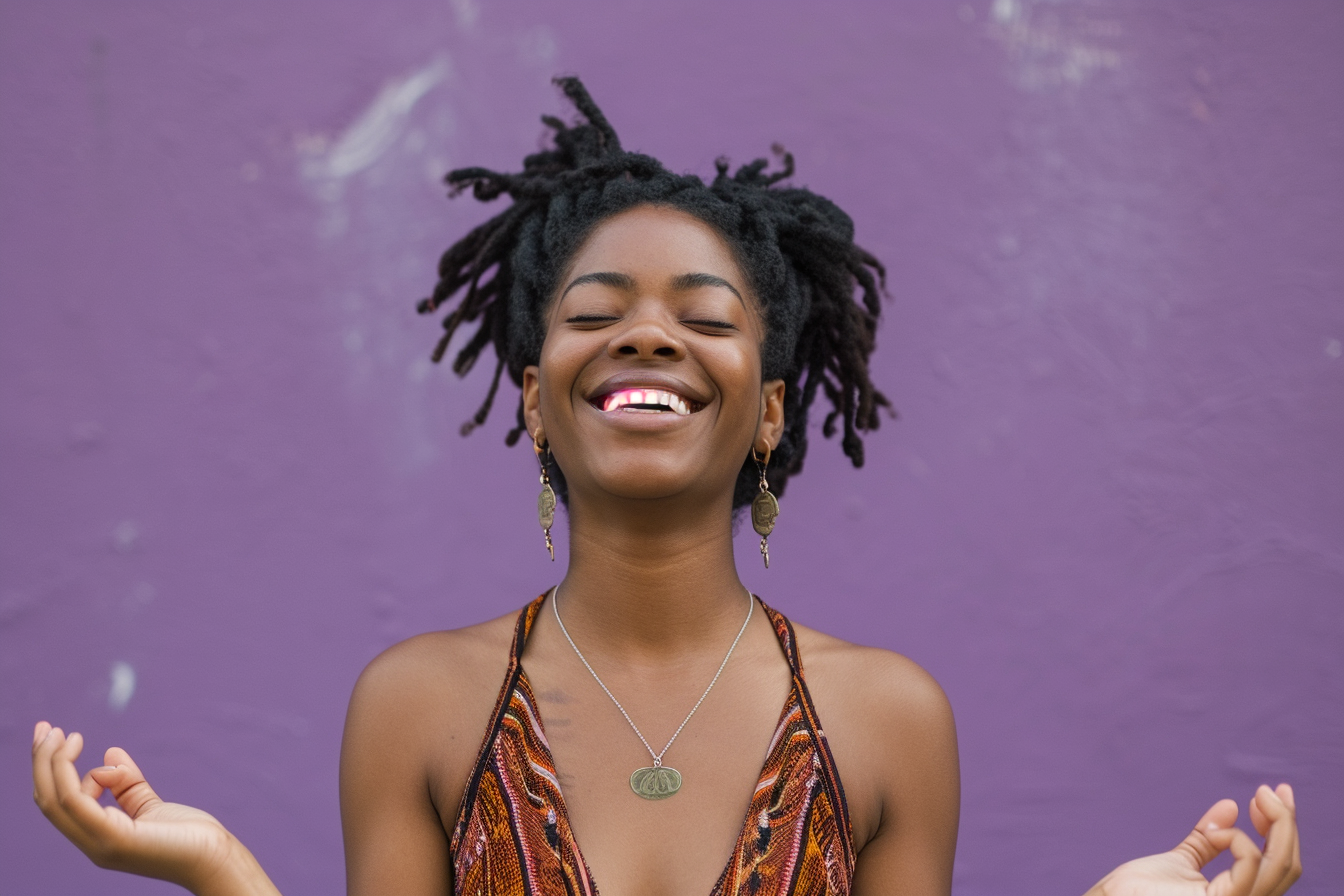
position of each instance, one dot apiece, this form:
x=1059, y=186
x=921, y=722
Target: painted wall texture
x=1110, y=519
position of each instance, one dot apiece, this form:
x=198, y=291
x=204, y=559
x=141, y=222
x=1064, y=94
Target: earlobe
x=771, y=428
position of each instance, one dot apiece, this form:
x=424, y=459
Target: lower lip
x=636, y=418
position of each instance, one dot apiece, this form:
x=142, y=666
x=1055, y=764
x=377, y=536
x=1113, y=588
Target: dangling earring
x=545, y=500
x=764, y=507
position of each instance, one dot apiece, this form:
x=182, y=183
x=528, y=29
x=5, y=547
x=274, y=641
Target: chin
x=642, y=483
x=647, y=488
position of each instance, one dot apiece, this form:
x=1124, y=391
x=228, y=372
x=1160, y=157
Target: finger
x=128, y=785
x=86, y=819
x=44, y=784
x=40, y=732
x=1258, y=816
x=56, y=784
x=74, y=745
x=1277, y=868
x=1285, y=793
x=1204, y=842
x=63, y=775
x=1240, y=879
x=90, y=783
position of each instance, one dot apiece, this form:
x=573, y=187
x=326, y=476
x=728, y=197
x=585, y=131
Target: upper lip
x=646, y=380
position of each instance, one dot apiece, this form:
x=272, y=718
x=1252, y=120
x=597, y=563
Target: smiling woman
x=786, y=254
x=669, y=338
x=652, y=310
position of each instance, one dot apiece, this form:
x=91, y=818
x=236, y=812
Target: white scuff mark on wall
x=537, y=47
x=1333, y=348
x=1051, y=43
x=375, y=131
x=466, y=11
x=368, y=182
x=419, y=370
x=125, y=536
x=122, y=687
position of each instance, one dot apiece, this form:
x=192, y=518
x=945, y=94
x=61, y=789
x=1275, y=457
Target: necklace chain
x=657, y=757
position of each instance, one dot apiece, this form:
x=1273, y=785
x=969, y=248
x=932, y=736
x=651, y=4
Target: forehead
x=656, y=240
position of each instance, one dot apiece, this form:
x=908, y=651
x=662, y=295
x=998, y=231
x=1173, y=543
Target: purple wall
x=1111, y=521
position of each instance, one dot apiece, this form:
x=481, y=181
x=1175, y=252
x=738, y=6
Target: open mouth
x=647, y=401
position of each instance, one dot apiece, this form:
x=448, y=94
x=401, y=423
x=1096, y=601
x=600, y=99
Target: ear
x=771, y=427
x=532, y=403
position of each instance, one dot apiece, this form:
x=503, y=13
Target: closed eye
x=713, y=324
x=591, y=319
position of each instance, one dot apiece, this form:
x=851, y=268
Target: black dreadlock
x=796, y=248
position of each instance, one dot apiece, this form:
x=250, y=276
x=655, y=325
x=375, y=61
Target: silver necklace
x=658, y=781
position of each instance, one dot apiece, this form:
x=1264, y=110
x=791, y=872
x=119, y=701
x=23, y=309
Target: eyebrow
x=695, y=281
x=680, y=283
x=606, y=278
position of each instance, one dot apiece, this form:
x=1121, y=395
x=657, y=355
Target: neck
x=650, y=577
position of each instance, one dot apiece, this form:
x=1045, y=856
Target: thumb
x=127, y=783
x=1210, y=836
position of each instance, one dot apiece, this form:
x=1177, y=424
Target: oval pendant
x=764, y=512
x=655, y=783
x=546, y=505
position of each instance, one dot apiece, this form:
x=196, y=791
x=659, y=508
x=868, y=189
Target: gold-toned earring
x=764, y=507
x=545, y=500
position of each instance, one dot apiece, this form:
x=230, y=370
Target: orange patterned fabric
x=512, y=836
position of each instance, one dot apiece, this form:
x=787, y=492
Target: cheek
x=745, y=364
x=557, y=372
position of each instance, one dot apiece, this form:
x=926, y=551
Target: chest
x=550, y=807
x=677, y=845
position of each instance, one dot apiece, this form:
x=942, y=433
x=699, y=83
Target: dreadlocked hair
x=796, y=250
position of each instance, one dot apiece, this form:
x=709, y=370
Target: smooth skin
x=655, y=298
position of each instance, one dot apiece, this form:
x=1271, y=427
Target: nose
x=648, y=335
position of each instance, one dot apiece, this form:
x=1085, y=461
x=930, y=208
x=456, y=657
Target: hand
x=1253, y=872
x=145, y=836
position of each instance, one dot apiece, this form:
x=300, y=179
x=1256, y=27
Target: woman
x=669, y=338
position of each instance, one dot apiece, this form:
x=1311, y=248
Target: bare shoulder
x=879, y=683
x=453, y=665
x=416, y=720
x=890, y=727
x=433, y=694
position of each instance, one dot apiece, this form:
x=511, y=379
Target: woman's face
x=649, y=383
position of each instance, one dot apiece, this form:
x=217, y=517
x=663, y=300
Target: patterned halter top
x=512, y=836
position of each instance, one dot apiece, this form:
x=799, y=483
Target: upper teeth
x=624, y=397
